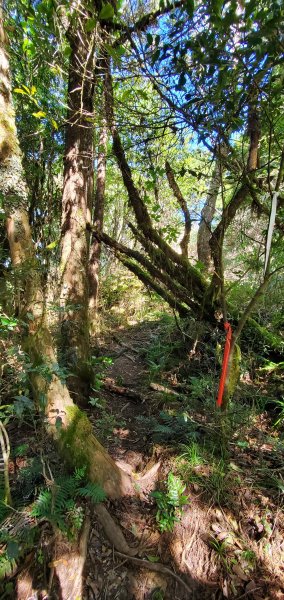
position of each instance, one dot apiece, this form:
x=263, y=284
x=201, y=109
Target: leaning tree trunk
x=207, y=214
x=76, y=205
x=64, y=421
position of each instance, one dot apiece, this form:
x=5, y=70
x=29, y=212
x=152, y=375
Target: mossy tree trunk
x=77, y=203
x=99, y=207
x=65, y=423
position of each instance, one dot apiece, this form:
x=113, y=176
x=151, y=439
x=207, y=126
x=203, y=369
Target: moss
x=74, y=438
x=260, y=337
x=233, y=375
x=8, y=141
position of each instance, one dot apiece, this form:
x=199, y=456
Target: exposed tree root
x=69, y=562
x=113, y=531
x=158, y=567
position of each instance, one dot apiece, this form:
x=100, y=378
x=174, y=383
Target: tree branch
x=149, y=282
x=147, y=20
x=158, y=273
x=182, y=202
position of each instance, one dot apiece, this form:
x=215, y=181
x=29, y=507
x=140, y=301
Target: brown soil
x=232, y=548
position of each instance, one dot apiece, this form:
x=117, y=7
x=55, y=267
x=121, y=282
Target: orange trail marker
x=227, y=348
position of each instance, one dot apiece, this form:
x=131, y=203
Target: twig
x=248, y=592
x=158, y=567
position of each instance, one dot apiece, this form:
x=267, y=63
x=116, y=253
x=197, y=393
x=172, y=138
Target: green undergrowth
x=208, y=446
x=169, y=500
x=40, y=499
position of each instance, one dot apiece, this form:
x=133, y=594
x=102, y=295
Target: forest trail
x=228, y=540
x=129, y=399
x=209, y=547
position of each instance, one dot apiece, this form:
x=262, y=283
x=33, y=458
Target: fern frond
x=42, y=505
x=7, y=566
x=92, y=491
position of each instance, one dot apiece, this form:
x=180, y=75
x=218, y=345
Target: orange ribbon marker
x=227, y=348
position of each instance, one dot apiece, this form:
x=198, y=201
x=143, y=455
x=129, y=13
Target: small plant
x=170, y=503
x=99, y=364
x=280, y=419
x=169, y=428
x=58, y=503
x=215, y=483
x=249, y=557
x=97, y=402
x=201, y=387
x=192, y=455
x=221, y=548
x=105, y=426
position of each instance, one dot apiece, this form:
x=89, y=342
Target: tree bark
x=207, y=214
x=65, y=423
x=98, y=220
x=183, y=205
x=76, y=203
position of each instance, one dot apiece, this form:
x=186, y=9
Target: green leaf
x=149, y=39
x=181, y=81
x=67, y=51
x=54, y=124
x=142, y=94
x=153, y=559
x=107, y=12
x=189, y=7
x=12, y=550
x=52, y=245
x=20, y=91
x=39, y=115
x=90, y=24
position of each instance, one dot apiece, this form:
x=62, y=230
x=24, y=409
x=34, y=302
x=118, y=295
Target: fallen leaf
x=216, y=527
x=250, y=587
x=239, y=572
x=225, y=588
x=222, y=535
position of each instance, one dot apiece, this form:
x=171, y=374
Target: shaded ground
x=228, y=542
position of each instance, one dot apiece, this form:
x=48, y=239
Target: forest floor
x=154, y=410
x=228, y=540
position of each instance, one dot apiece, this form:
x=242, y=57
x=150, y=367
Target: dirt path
x=184, y=552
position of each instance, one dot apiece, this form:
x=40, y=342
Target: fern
x=7, y=566
x=169, y=429
x=169, y=503
x=29, y=478
x=42, y=505
x=58, y=503
x=93, y=492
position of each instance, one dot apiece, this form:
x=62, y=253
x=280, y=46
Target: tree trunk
x=207, y=214
x=98, y=219
x=76, y=205
x=64, y=421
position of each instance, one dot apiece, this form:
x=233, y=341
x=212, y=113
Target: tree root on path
x=158, y=567
x=113, y=531
x=110, y=385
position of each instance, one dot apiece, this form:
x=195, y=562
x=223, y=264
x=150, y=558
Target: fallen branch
x=158, y=567
x=126, y=346
x=161, y=388
x=109, y=384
